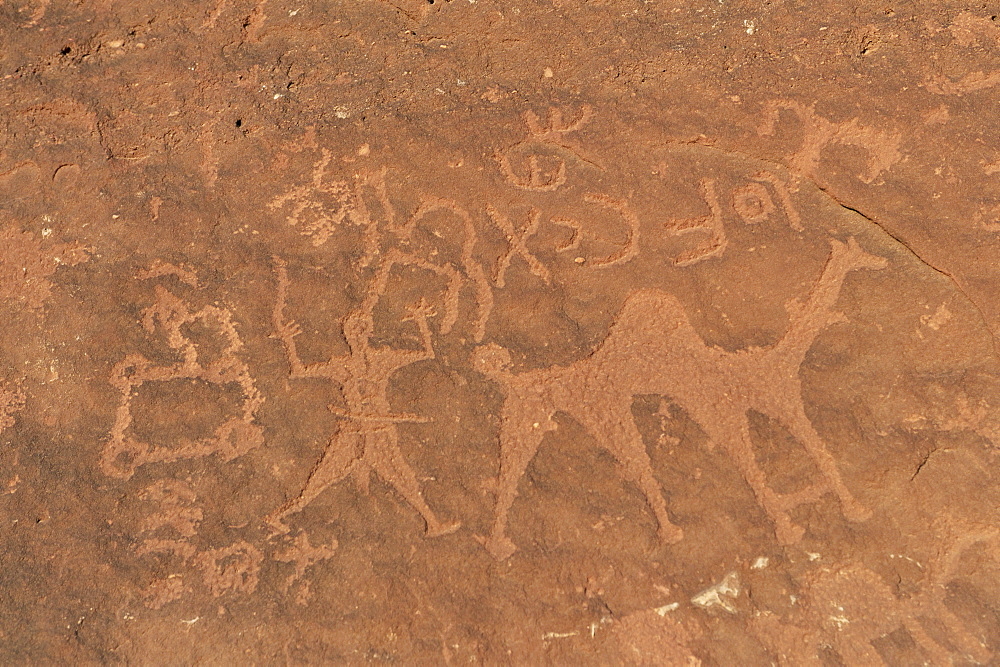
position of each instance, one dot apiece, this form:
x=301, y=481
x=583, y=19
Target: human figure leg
x=382, y=453
x=338, y=460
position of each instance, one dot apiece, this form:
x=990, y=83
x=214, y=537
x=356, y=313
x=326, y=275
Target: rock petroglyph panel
x=651, y=348
x=470, y=332
x=427, y=279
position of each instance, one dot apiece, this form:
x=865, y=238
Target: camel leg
x=802, y=429
x=617, y=433
x=519, y=442
x=736, y=438
x=382, y=451
x=337, y=462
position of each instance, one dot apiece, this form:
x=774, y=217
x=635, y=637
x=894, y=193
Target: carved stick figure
x=368, y=442
x=652, y=348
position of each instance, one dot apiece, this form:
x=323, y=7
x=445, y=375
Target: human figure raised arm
x=419, y=313
x=287, y=330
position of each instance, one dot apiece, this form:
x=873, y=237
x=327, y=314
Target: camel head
x=851, y=255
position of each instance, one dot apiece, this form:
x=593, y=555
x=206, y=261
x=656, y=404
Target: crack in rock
x=954, y=281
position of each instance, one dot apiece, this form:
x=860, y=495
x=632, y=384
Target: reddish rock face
x=466, y=331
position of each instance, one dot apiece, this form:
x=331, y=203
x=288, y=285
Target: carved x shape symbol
x=517, y=245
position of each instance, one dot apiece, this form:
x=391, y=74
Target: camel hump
x=647, y=316
x=650, y=307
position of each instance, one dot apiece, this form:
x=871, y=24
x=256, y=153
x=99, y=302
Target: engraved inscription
x=544, y=152
x=171, y=316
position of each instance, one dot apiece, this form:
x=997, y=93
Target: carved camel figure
x=652, y=348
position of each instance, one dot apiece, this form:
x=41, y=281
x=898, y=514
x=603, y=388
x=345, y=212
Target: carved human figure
x=368, y=441
x=652, y=348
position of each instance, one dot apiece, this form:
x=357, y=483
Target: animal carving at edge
x=652, y=348
x=848, y=606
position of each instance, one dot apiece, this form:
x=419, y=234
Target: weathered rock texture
x=610, y=331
